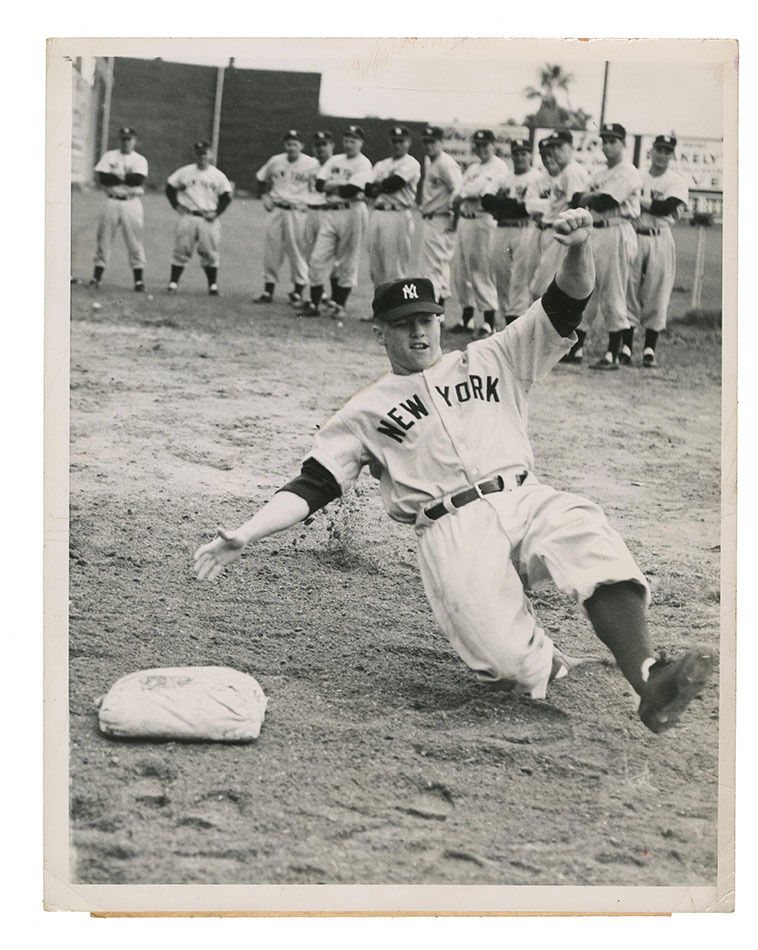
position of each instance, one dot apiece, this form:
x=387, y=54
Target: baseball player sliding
x=122, y=173
x=445, y=435
x=199, y=193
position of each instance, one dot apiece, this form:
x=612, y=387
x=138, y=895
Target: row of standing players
x=486, y=231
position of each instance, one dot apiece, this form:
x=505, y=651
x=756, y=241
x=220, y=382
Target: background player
x=514, y=228
x=473, y=258
x=200, y=193
x=391, y=221
x=441, y=181
x=343, y=179
x=664, y=196
x=122, y=173
x=283, y=185
x=537, y=203
x=446, y=437
x=613, y=198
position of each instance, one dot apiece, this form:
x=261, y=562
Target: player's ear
x=378, y=332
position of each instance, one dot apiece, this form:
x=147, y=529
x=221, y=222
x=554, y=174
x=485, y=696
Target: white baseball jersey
x=658, y=188
x=406, y=168
x=199, y=188
x=442, y=180
x=288, y=181
x=569, y=181
x=116, y=162
x=345, y=171
x=622, y=182
x=511, y=185
x=539, y=193
x=479, y=179
x=462, y=421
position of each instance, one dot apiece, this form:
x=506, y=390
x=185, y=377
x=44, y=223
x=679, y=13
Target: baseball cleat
x=337, y=312
x=671, y=687
x=625, y=355
x=310, y=310
x=173, y=287
x=563, y=664
x=140, y=286
x=263, y=298
x=295, y=299
x=213, y=290
x=648, y=358
x=94, y=283
x=606, y=363
x=483, y=331
x=572, y=357
x=461, y=328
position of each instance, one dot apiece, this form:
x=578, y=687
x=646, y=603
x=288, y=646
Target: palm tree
x=552, y=78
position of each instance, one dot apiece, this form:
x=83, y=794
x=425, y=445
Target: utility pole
x=605, y=93
x=104, y=131
x=217, y=111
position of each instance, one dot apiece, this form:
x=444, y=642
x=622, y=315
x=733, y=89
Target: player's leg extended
x=521, y=255
x=478, y=599
x=374, y=238
x=403, y=228
x=350, y=245
x=208, y=242
x=185, y=239
x=438, y=248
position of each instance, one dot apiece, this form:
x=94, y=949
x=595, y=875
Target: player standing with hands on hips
x=200, y=193
x=122, y=173
x=664, y=196
x=445, y=435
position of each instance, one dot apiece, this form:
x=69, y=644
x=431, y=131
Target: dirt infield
x=381, y=760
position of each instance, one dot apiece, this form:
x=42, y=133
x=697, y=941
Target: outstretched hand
x=212, y=558
x=572, y=226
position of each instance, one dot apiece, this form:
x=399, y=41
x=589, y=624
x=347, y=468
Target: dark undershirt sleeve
x=667, y=206
x=565, y=312
x=315, y=484
x=602, y=202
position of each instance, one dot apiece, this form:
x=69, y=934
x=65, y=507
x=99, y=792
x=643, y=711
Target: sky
x=652, y=86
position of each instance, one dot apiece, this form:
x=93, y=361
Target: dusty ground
x=381, y=759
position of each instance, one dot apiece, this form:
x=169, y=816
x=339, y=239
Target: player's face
x=323, y=151
x=484, y=150
x=293, y=149
x=613, y=149
x=127, y=144
x=659, y=159
x=432, y=147
x=551, y=165
x=412, y=344
x=562, y=154
x=203, y=159
x=351, y=145
x=522, y=162
x=399, y=147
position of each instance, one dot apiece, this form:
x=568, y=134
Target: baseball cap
x=483, y=135
x=354, y=131
x=396, y=299
x=559, y=137
x=665, y=141
x=127, y=132
x=612, y=130
x=399, y=132
x=292, y=135
x=520, y=145
x=433, y=132
x=322, y=137
x=202, y=146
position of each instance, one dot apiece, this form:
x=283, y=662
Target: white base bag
x=187, y=702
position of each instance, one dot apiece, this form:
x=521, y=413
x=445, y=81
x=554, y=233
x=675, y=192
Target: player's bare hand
x=268, y=202
x=572, y=226
x=212, y=558
x=210, y=215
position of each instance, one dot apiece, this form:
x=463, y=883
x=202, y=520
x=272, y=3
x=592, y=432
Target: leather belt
x=488, y=487
x=649, y=232
x=122, y=197
x=470, y=215
x=381, y=208
x=341, y=205
x=317, y=207
x=197, y=214
x=436, y=214
x=516, y=223
x=608, y=224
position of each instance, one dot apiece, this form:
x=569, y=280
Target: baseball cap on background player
x=520, y=145
x=320, y=137
x=127, y=132
x=354, y=132
x=292, y=135
x=394, y=300
x=483, y=136
x=202, y=145
x=558, y=137
x=398, y=133
x=612, y=130
x=432, y=133
x=666, y=142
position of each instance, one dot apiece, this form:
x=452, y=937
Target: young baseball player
x=474, y=282
x=440, y=183
x=506, y=203
x=200, y=193
x=664, y=196
x=613, y=198
x=122, y=173
x=445, y=435
x=343, y=179
x=391, y=220
x=283, y=186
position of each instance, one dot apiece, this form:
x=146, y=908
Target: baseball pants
x=615, y=249
x=390, y=235
x=129, y=216
x=474, y=283
x=651, y=282
x=437, y=249
x=313, y=221
x=285, y=237
x=476, y=563
x=510, y=270
x=338, y=246
x=193, y=232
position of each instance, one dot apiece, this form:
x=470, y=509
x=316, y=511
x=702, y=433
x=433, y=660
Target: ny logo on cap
x=410, y=292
